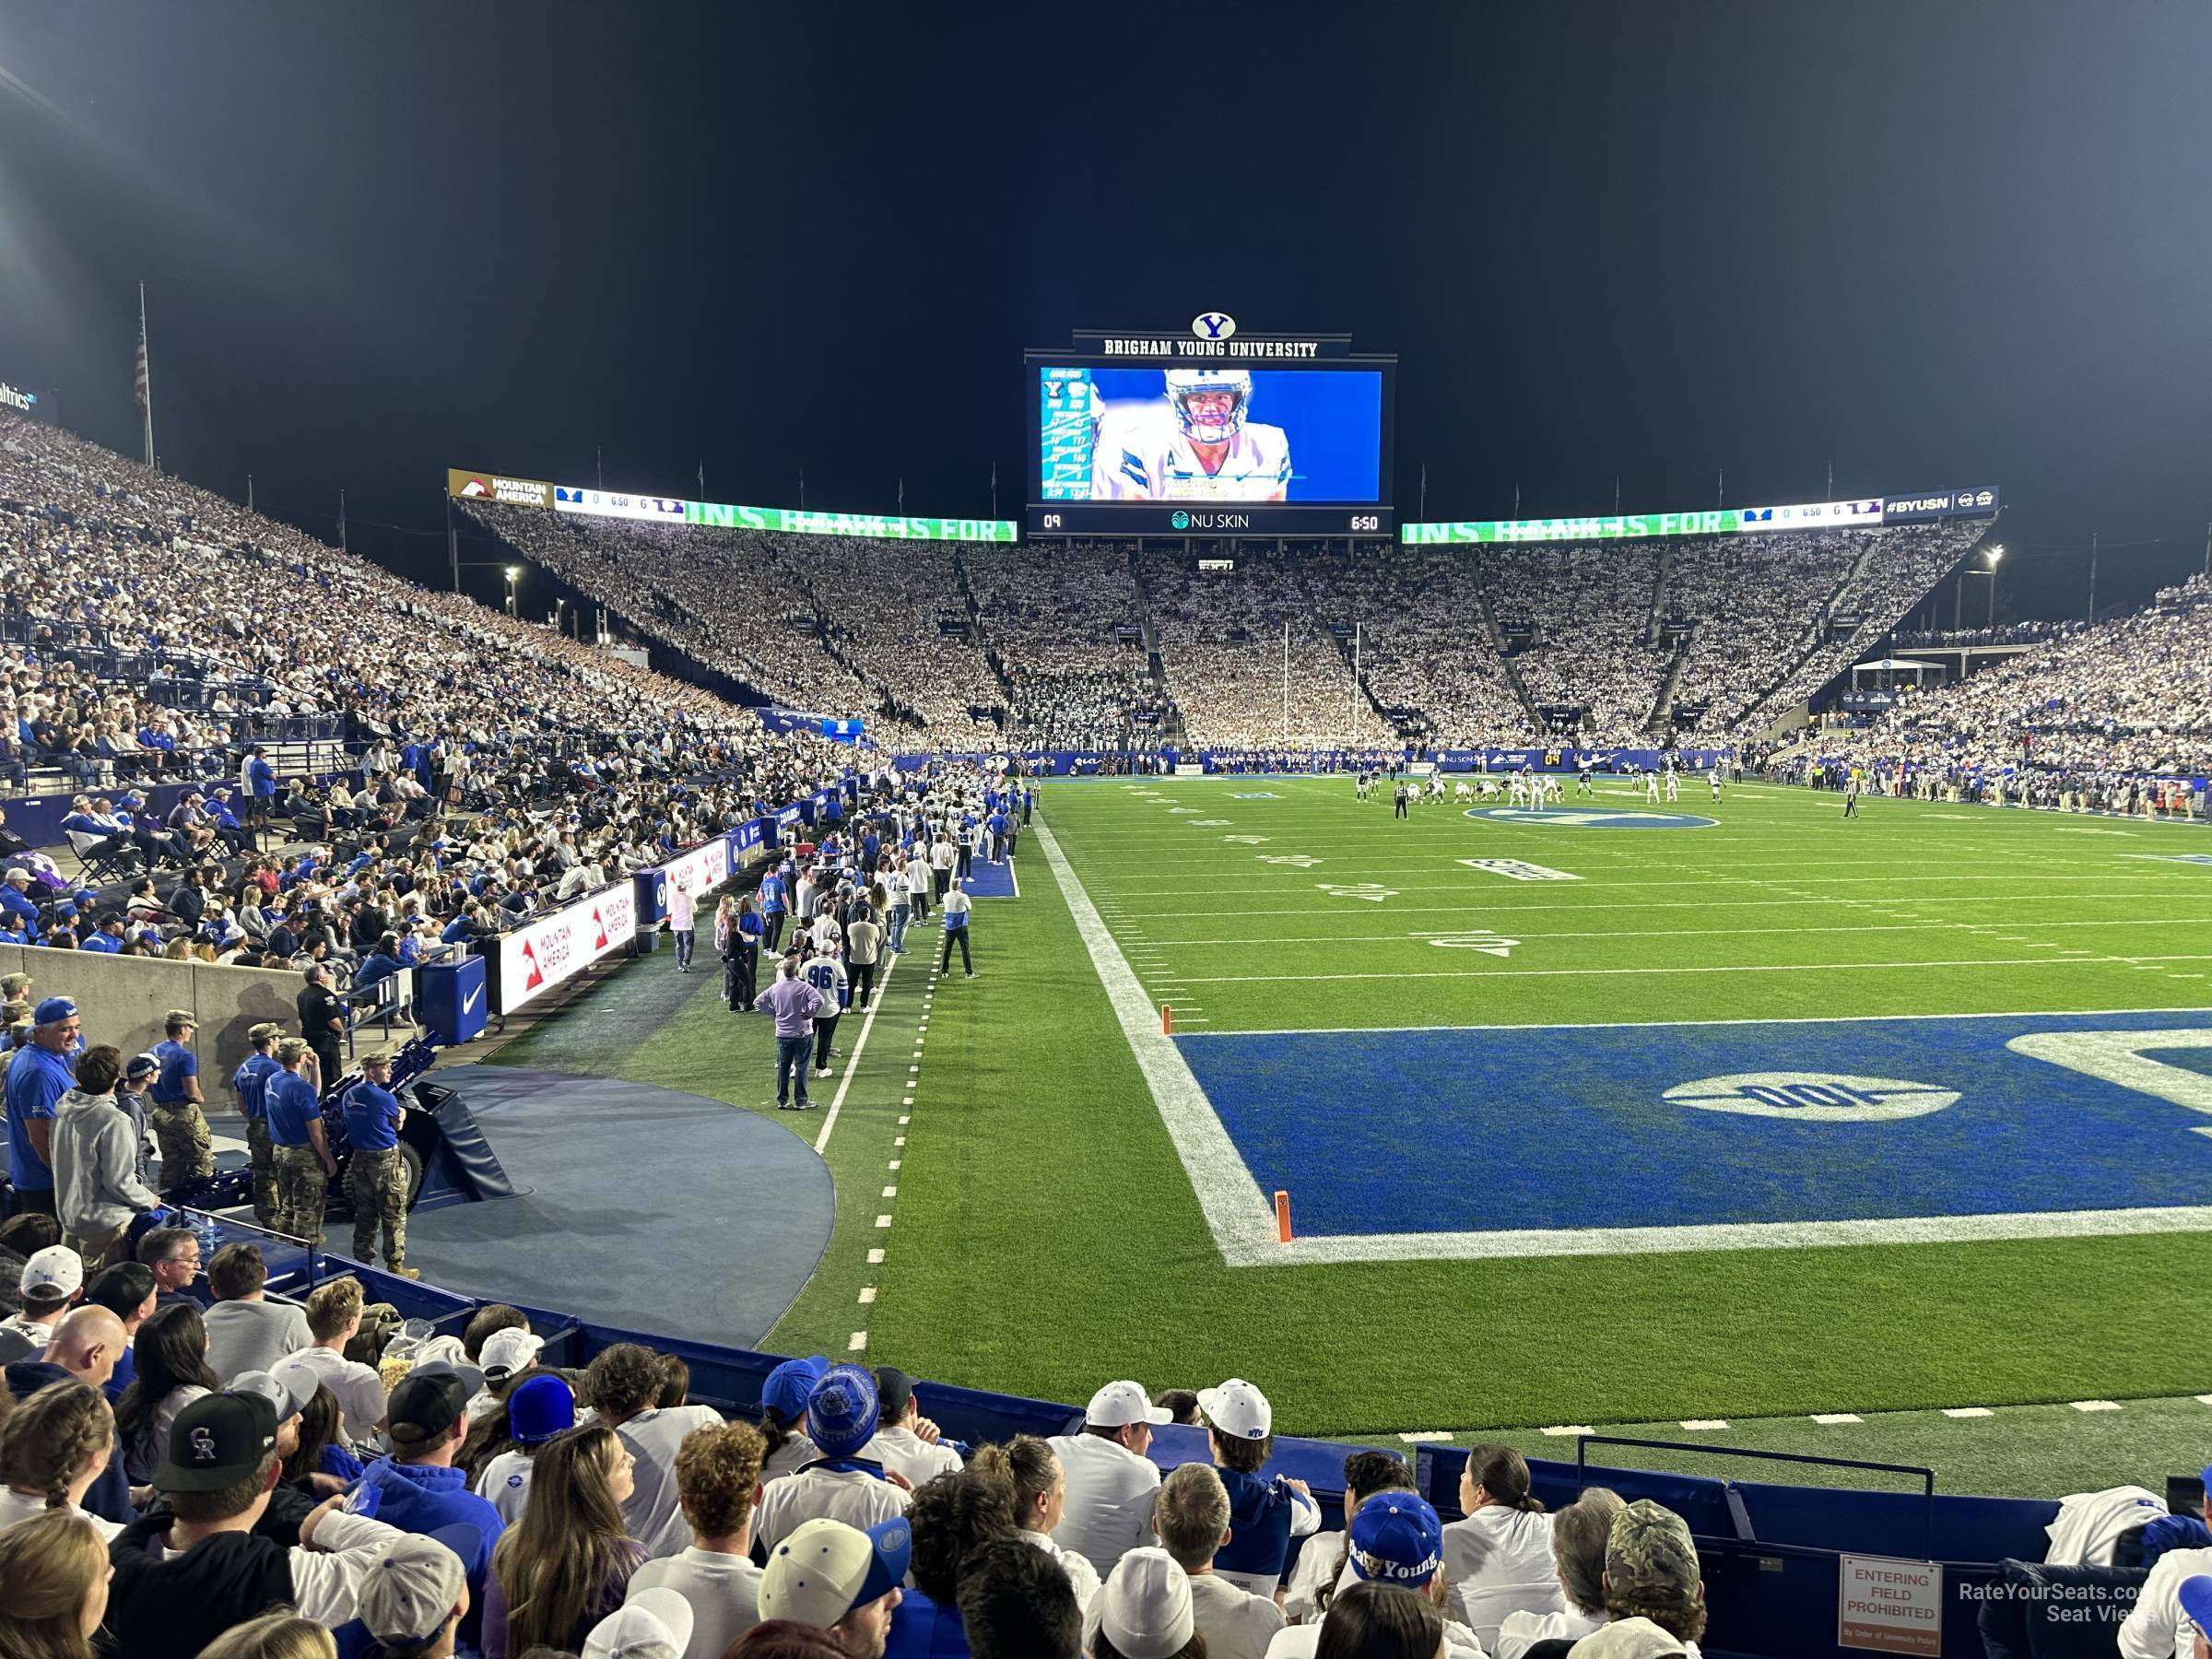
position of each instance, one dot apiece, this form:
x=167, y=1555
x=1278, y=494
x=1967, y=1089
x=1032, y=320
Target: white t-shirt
x=1235, y=1623
x=2158, y=1628
x=653, y=1515
x=853, y=1496
x=1310, y=1574
x=902, y=1452
x=1111, y=1491
x=1302, y=1641
x=1521, y=1631
x=505, y=1484
x=26, y=1506
x=1080, y=1573
x=722, y=1590
x=789, y=1458
x=359, y=1391
x=1499, y=1561
x=325, y=1579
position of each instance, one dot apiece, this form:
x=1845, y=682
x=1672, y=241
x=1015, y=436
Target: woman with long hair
x=273, y=1636
x=566, y=1563
x=53, y=1447
x=55, y=1568
x=170, y=1352
x=1031, y=1467
x=1499, y=1559
x=321, y=1451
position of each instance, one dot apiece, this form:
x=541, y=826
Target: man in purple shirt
x=793, y=1001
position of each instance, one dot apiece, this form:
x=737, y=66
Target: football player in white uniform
x=1201, y=448
x=1651, y=786
x=1674, y=782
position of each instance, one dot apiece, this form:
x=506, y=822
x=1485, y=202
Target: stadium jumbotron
x=1203, y=1058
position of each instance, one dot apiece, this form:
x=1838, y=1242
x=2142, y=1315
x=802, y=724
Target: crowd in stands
x=1590, y=610
x=2005, y=633
x=2093, y=712
x=1066, y=629
x=191, y=1468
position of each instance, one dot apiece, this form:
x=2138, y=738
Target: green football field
x=1451, y=1039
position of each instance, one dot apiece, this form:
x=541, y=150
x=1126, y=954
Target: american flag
x=142, y=385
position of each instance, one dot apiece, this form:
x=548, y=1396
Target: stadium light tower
x=514, y=575
x=1994, y=555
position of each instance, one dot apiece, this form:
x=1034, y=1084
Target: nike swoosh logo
x=470, y=1001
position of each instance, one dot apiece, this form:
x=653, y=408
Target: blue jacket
x=922, y=1629
x=1259, y=1523
x=421, y=1498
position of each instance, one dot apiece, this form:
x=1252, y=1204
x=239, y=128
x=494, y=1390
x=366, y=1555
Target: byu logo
x=203, y=1446
x=1213, y=325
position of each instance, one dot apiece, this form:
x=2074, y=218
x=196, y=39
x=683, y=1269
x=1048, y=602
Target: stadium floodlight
x=515, y=571
x=1995, y=553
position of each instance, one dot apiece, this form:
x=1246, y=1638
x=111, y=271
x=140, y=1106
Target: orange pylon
x=1282, y=1215
x=1167, y=1020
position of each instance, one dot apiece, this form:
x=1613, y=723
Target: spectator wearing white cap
x=51, y=1281
x=1145, y=1610
x=842, y=1483
x=834, y=1576
x=624, y=1384
x=413, y=1597
x=1111, y=1483
x=1192, y=1521
x=1265, y=1513
x=654, y=1625
x=1499, y=1558
x=718, y=1479
x=906, y=1444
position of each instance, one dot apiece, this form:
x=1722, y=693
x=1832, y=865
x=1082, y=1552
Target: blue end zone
x=1572, y=1127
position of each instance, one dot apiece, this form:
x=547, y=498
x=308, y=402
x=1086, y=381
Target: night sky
x=1935, y=244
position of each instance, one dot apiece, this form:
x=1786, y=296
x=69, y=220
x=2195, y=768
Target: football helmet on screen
x=1212, y=421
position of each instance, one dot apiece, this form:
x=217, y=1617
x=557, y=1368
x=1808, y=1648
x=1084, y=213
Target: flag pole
x=146, y=380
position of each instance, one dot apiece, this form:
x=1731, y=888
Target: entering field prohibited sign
x=1889, y=1607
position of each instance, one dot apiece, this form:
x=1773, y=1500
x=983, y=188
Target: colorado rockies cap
x=218, y=1440
x=1396, y=1538
x=1118, y=1405
x=1237, y=1408
x=1651, y=1548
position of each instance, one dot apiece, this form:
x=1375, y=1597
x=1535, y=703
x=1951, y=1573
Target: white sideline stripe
x=1562, y=1429
x=1704, y=1423
x=1420, y=1437
x=1831, y=1418
x=1968, y=1411
x=1239, y=1215
x=1621, y=1025
x=1511, y=973
x=837, y=1103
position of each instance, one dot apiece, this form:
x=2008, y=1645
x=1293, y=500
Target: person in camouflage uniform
x=173, y=1109
x=379, y=1176
x=1651, y=1571
x=299, y=1149
x=251, y=1080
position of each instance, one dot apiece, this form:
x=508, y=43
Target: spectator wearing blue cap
x=1395, y=1540
x=783, y=1416
x=841, y=1483
x=624, y=1382
x=37, y=1080
x=2164, y=1624
x=540, y=1407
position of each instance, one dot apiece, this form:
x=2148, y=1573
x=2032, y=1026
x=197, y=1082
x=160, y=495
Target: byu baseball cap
x=1396, y=1539
x=654, y=1624
x=54, y=1010
x=429, y=1400
x=785, y=1389
x=826, y=1568
x=507, y=1351
x=215, y=1441
x=840, y=1412
x=1118, y=1405
x=540, y=1407
x=408, y=1592
x=1237, y=1408
x=1145, y=1610
x=53, y=1274
x=141, y=1065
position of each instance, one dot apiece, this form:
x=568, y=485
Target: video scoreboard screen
x=1210, y=433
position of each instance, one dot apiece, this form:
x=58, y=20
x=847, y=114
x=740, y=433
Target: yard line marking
x=1421, y=1437
x=2095, y=1405
x=852, y=1066
x=856, y=1342
x=1968, y=1411
x=1250, y=940
x=867, y=1293
x=1702, y=1423
x=1239, y=1215
x=1249, y=978
x=1562, y=1429
x=1829, y=1418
